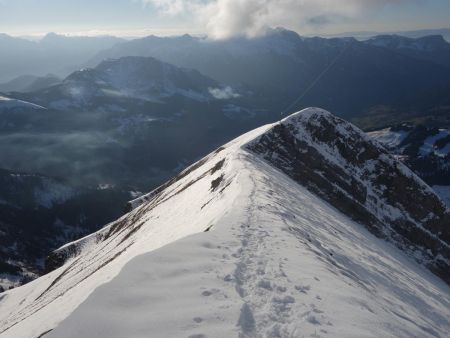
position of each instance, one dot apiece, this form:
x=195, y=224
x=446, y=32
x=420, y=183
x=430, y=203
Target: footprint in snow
x=313, y=320
x=210, y=292
x=316, y=310
x=282, y=304
x=303, y=289
x=246, y=319
x=265, y=284
x=281, y=289
x=228, y=278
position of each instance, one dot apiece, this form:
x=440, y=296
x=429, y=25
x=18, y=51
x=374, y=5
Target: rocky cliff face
x=339, y=163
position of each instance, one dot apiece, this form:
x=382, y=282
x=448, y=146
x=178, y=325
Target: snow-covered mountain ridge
x=267, y=257
x=338, y=162
x=142, y=79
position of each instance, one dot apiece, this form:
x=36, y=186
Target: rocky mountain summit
x=338, y=162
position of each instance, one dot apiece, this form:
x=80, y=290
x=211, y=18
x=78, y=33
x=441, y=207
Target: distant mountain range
x=433, y=48
x=29, y=83
x=364, y=35
x=54, y=54
x=282, y=64
x=345, y=75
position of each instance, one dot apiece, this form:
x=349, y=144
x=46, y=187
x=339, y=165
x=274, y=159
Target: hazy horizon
x=145, y=33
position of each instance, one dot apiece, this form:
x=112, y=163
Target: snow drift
x=294, y=229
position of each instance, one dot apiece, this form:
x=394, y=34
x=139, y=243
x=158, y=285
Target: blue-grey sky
x=219, y=18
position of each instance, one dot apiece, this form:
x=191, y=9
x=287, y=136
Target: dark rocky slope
x=342, y=165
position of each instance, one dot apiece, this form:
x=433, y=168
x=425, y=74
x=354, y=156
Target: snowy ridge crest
x=341, y=164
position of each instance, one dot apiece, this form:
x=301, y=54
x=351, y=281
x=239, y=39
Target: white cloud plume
x=227, y=18
x=223, y=93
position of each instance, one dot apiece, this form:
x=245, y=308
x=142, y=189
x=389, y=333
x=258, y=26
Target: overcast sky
x=218, y=18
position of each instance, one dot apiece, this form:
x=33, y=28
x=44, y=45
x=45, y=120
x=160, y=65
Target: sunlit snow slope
x=234, y=247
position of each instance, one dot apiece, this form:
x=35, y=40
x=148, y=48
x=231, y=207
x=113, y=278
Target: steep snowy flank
x=266, y=256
